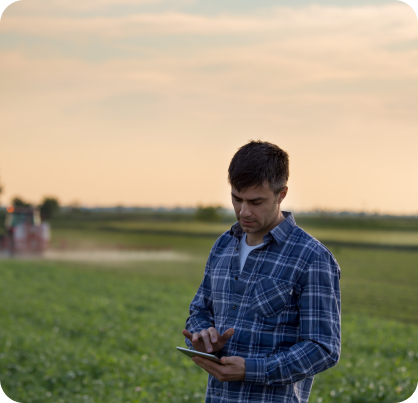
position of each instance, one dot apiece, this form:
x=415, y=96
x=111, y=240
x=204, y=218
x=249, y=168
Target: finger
x=227, y=360
x=233, y=363
x=228, y=333
x=206, y=340
x=207, y=365
x=213, y=334
x=199, y=363
x=187, y=334
x=196, y=337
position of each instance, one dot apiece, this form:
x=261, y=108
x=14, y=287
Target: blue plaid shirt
x=284, y=306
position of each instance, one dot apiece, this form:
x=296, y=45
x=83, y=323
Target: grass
x=381, y=284
x=375, y=283
x=365, y=236
x=73, y=332
x=132, y=231
x=92, y=239
x=379, y=363
x=77, y=333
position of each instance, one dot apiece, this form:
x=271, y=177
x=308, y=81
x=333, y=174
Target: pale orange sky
x=147, y=106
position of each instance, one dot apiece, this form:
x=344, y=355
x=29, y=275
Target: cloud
x=319, y=20
x=78, y=8
x=325, y=51
x=315, y=55
x=317, y=80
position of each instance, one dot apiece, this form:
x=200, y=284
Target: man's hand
x=232, y=370
x=208, y=340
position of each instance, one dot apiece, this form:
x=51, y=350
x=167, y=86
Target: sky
x=144, y=102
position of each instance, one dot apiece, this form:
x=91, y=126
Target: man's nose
x=245, y=211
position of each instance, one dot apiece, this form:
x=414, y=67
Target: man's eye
x=257, y=204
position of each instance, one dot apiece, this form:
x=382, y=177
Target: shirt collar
x=279, y=233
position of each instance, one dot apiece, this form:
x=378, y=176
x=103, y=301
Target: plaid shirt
x=284, y=306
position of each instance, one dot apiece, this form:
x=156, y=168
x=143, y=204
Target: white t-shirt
x=245, y=249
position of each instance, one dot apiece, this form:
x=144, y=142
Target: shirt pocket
x=270, y=297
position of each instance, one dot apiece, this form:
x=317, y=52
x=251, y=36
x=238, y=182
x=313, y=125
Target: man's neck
x=257, y=238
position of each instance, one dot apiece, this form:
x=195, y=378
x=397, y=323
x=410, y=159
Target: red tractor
x=25, y=234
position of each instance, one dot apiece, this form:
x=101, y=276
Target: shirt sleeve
x=201, y=308
x=319, y=347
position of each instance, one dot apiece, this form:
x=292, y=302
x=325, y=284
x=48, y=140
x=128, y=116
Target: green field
x=106, y=332
x=387, y=233
x=206, y=230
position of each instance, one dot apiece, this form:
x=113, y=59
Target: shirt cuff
x=255, y=370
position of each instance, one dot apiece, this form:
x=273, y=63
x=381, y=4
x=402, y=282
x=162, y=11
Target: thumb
x=228, y=333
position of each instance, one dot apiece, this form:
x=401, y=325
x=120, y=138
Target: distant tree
x=209, y=213
x=49, y=207
x=119, y=208
x=18, y=202
x=1, y=188
x=75, y=207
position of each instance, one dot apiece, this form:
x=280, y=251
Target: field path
x=107, y=256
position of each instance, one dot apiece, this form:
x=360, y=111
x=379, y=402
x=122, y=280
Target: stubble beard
x=250, y=230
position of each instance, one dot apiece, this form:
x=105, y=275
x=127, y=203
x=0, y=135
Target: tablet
x=194, y=353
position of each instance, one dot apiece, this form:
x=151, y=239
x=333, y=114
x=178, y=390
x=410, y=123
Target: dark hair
x=257, y=162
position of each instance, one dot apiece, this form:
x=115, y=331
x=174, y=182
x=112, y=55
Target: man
x=269, y=302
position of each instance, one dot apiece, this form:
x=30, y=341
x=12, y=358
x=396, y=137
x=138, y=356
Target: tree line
x=48, y=207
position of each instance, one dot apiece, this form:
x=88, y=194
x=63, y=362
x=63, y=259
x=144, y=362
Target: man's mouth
x=247, y=222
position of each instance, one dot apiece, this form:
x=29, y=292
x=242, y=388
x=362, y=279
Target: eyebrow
x=251, y=200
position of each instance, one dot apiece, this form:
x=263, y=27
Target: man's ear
x=282, y=194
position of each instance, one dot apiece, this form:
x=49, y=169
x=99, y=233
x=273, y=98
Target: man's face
x=257, y=208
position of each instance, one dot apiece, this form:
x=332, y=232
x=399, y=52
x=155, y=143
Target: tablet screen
x=194, y=353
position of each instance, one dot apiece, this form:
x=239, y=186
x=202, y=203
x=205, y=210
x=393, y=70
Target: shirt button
x=236, y=278
x=234, y=307
x=218, y=394
x=237, y=248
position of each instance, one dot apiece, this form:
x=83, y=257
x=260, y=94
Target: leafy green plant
x=78, y=333
x=209, y=213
